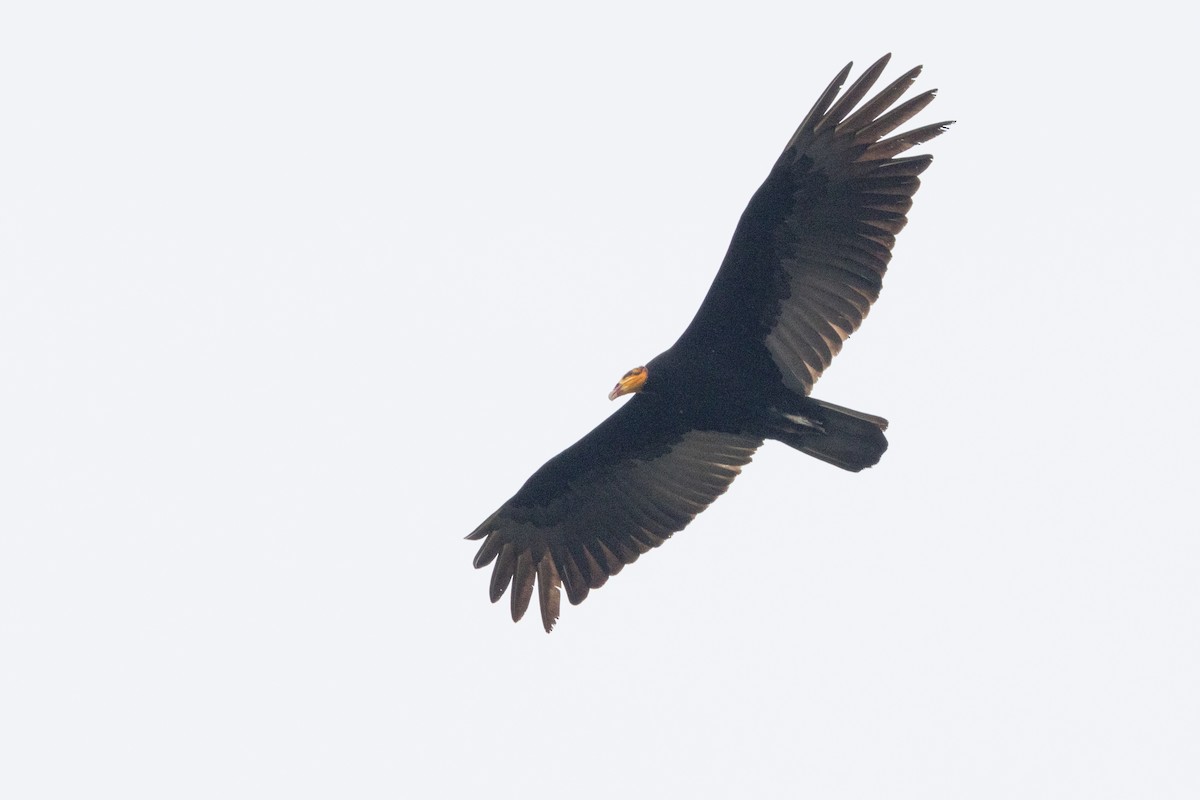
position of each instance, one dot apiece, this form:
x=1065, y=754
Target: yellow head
x=630, y=382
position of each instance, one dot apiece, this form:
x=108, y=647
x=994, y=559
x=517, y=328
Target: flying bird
x=806, y=261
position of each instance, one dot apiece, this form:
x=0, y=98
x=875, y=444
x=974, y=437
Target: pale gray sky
x=292, y=298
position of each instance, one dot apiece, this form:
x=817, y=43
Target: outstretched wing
x=806, y=262
x=808, y=256
x=624, y=488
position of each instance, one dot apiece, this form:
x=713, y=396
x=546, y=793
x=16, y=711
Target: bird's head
x=630, y=382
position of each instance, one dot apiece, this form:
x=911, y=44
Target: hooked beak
x=630, y=382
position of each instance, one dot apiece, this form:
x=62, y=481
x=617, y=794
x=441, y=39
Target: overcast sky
x=292, y=298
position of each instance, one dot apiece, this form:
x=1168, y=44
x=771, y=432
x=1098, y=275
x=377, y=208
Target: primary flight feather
x=806, y=261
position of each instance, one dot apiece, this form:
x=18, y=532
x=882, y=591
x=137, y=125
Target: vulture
x=805, y=263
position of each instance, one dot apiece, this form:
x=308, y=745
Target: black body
x=806, y=261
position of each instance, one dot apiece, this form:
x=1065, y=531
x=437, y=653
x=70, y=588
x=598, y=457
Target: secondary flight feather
x=805, y=264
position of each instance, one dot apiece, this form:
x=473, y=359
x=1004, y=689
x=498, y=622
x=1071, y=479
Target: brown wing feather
x=808, y=257
x=835, y=247
x=608, y=515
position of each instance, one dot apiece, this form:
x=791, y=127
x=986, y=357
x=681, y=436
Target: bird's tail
x=848, y=439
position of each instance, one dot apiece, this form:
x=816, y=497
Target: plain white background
x=292, y=296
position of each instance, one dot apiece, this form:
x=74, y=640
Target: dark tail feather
x=848, y=439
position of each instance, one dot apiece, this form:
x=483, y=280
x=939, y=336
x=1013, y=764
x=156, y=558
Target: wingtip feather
x=549, y=596
x=502, y=573
x=522, y=585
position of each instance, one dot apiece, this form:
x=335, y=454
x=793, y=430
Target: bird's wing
x=808, y=255
x=621, y=490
